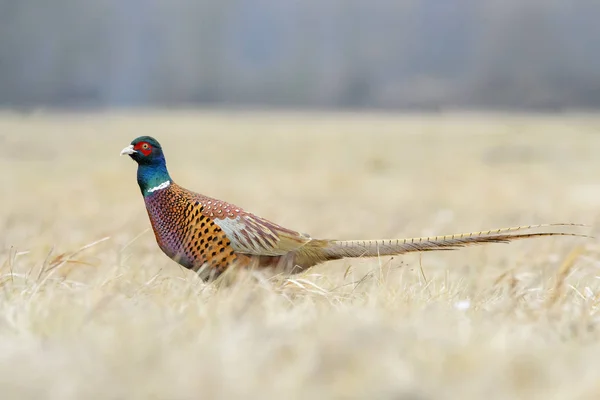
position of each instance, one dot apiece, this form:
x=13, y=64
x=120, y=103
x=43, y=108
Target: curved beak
x=128, y=150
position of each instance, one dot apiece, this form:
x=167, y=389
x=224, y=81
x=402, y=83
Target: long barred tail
x=337, y=249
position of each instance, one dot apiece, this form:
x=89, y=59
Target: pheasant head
x=152, y=173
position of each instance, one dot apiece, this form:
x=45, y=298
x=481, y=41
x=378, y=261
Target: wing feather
x=250, y=234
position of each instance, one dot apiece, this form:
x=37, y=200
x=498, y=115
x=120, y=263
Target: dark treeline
x=301, y=53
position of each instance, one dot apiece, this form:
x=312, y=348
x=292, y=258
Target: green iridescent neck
x=153, y=177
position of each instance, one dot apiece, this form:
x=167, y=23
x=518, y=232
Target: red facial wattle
x=143, y=147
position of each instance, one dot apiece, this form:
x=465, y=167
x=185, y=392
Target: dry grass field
x=91, y=309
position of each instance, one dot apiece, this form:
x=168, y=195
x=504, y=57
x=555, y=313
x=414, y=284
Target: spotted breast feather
x=197, y=230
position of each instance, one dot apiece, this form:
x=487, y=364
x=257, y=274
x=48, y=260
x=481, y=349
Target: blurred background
x=333, y=54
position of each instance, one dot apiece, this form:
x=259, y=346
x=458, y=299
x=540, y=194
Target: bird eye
x=145, y=146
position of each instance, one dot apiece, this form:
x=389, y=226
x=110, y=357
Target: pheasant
x=208, y=235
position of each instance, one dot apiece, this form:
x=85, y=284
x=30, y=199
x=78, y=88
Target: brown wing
x=250, y=234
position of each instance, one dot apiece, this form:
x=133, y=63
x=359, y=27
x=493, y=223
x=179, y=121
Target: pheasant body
x=208, y=235
x=185, y=232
